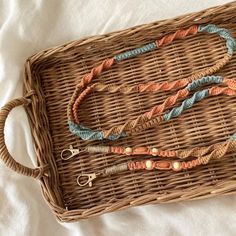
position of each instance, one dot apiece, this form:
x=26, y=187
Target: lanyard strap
x=153, y=116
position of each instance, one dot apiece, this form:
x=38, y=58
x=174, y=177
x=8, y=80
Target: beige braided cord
x=205, y=154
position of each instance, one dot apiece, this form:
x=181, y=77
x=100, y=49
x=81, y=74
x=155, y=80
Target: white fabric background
x=27, y=27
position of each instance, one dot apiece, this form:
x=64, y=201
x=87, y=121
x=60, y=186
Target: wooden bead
x=149, y=165
x=140, y=150
x=164, y=165
x=128, y=151
x=154, y=151
x=176, y=165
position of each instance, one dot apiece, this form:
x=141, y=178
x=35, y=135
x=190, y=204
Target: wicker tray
x=50, y=78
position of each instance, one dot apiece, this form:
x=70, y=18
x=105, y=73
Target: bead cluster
x=202, y=155
x=142, y=150
x=159, y=165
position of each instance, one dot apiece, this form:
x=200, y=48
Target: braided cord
x=223, y=33
x=121, y=131
x=151, y=117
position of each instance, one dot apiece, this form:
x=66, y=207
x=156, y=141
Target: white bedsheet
x=27, y=27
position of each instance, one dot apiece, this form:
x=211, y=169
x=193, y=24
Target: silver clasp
x=66, y=154
x=90, y=178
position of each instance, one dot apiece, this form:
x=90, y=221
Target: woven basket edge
x=228, y=188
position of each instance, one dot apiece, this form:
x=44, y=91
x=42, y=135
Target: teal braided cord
x=223, y=33
x=88, y=134
x=137, y=51
x=206, y=79
x=187, y=103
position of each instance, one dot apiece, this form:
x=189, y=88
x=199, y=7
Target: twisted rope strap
x=152, y=117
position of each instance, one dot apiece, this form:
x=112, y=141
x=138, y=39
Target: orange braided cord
x=147, y=119
x=179, y=34
x=165, y=86
x=189, y=164
x=78, y=101
x=118, y=150
x=200, y=152
x=136, y=165
x=157, y=110
x=152, y=86
x=107, y=63
x=203, y=154
x=170, y=101
x=166, y=153
x=218, y=152
x=145, y=87
x=230, y=83
x=219, y=90
x=84, y=82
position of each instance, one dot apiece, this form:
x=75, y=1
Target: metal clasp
x=66, y=154
x=90, y=178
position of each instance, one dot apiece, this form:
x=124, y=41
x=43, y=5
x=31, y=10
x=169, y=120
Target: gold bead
x=128, y=151
x=149, y=165
x=154, y=151
x=176, y=165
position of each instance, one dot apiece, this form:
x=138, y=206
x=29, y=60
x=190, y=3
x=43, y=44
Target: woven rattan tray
x=50, y=78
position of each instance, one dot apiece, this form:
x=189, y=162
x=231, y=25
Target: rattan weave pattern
x=50, y=78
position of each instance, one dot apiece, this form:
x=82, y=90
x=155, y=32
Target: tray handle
x=9, y=161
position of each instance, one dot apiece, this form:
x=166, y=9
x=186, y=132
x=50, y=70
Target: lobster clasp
x=89, y=179
x=66, y=154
